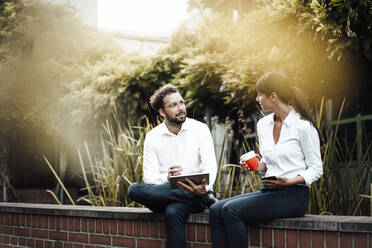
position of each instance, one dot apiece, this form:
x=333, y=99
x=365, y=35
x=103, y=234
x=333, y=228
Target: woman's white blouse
x=297, y=151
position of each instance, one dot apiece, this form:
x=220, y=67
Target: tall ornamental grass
x=344, y=189
x=107, y=178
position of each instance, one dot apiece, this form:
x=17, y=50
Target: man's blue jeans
x=227, y=218
x=176, y=204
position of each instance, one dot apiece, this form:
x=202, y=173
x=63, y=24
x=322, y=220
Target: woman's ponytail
x=302, y=107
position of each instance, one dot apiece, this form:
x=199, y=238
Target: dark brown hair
x=281, y=85
x=156, y=100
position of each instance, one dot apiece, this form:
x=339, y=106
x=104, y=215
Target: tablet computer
x=195, y=178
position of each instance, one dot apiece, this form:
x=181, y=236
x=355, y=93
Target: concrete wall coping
x=358, y=224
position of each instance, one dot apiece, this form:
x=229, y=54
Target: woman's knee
x=228, y=210
x=215, y=211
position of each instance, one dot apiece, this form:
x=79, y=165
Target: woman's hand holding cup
x=249, y=161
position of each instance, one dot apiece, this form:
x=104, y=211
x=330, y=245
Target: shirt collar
x=185, y=126
x=292, y=115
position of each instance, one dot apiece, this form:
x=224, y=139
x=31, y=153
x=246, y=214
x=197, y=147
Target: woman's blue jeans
x=176, y=204
x=228, y=218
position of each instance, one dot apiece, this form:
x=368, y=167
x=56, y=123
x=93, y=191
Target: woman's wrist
x=261, y=167
x=297, y=180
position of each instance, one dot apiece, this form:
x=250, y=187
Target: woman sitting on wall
x=290, y=148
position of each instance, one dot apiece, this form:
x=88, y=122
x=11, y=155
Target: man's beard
x=175, y=120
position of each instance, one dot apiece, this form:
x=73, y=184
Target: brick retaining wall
x=42, y=225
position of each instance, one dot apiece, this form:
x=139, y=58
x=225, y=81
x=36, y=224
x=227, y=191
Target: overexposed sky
x=141, y=16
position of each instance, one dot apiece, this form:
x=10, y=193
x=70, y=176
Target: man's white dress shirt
x=192, y=148
x=297, y=151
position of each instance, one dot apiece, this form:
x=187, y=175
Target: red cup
x=249, y=160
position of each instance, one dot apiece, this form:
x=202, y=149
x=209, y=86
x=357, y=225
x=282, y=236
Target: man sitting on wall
x=179, y=145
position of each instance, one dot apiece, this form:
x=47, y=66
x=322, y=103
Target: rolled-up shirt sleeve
x=310, y=145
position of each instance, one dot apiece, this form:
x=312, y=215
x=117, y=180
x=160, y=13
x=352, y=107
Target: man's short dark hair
x=156, y=100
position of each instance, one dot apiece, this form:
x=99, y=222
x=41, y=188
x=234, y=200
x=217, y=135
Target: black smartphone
x=269, y=178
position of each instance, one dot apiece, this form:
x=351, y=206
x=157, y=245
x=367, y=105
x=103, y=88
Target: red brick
x=58, y=221
x=23, y=220
x=28, y=220
x=35, y=233
x=201, y=232
x=58, y=244
x=146, y=243
x=46, y=222
x=34, y=221
x=360, y=240
x=84, y=224
x=78, y=237
x=162, y=230
x=121, y=227
x=91, y=225
x=78, y=246
x=137, y=228
x=106, y=226
x=22, y=241
x=48, y=244
x=6, y=219
x=209, y=235
x=99, y=226
x=11, y=219
x=70, y=223
x=145, y=228
x=291, y=238
x=279, y=239
x=19, y=231
x=30, y=243
x=57, y=235
x=126, y=242
x=5, y=246
x=64, y=223
x=39, y=221
x=6, y=239
x=88, y=246
x=305, y=239
x=100, y=239
x=38, y=243
x=68, y=245
x=267, y=237
x=345, y=240
x=14, y=219
x=190, y=230
x=154, y=229
x=317, y=239
x=6, y=230
x=2, y=219
x=129, y=227
x=331, y=239
x=77, y=224
x=254, y=236
x=201, y=246
x=52, y=222
x=13, y=240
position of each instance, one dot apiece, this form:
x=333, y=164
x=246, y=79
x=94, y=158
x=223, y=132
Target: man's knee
x=132, y=190
x=173, y=212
